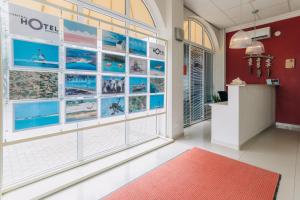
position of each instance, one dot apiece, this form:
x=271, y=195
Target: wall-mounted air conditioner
x=260, y=34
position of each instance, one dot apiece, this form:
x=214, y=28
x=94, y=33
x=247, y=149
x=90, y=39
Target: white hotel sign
x=30, y=23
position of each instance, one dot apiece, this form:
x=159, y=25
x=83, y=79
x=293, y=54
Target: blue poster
x=113, y=63
x=112, y=41
x=157, y=68
x=78, y=59
x=137, y=104
x=156, y=101
x=137, y=85
x=137, y=47
x=112, y=106
x=79, y=85
x=157, y=85
x=35, y=55
x=33, y=115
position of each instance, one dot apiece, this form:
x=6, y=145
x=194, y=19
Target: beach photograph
x=157, y=68
x=80, y=85
x=113, y=85
x=112, y=41
x=138, y=66
x=137, y=47
x=137, y=104
x=113, y=63
x=32, y=85
x=78, y=59
x=112, y=106
x=35, y=55
x=79, y=110
x=157, y=85
x=156, y=101
x=80, y=34
x=137, y=85
x=34, y=115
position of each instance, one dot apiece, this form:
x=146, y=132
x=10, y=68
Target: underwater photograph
x=112, y=106
x=137, y=104
x=157, y=85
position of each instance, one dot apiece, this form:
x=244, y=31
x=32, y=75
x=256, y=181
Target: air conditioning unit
x=260, y=34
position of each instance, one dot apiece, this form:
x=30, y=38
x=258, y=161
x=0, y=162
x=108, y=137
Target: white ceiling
x=226, y=13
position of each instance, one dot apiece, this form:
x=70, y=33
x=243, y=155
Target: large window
x=196, y=33
x=80, y=81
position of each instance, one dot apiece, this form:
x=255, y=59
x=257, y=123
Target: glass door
x=198, y=84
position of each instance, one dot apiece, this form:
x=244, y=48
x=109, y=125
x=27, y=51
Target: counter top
x=225, y=103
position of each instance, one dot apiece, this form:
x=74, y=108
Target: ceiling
x=226, y=13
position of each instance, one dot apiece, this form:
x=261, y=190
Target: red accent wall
x=287, y=45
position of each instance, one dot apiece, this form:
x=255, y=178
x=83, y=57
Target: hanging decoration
x=250, y=64
x=258, y=66
x=259, y=59
x=240, y=39
x=268, y=65
x=257, y=47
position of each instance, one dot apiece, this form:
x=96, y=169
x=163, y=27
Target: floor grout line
x=296, y=165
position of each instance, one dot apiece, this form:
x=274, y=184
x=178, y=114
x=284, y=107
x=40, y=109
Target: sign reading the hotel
x=27, y=22
x=156, y=51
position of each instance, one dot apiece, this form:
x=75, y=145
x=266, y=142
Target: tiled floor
x=276, y=150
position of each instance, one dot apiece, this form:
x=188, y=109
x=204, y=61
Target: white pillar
x=174, y=17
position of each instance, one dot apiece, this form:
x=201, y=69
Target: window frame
x=204, y=31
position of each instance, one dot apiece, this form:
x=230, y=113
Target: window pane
x=136, y=28
x=28, y=4
x=114, y=5
x=107, y=26
x=207, y=42
x=196, y=33
x=186, y=30
x=139, y=12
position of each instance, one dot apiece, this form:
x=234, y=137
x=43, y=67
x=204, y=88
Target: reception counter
x=250, y=110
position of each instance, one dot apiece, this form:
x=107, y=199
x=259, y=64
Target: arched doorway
x=198, y=72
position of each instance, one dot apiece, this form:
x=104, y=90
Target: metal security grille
x=197, y=84
x=208, y=84
x=186, y=82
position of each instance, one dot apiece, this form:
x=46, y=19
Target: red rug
x=198, y=174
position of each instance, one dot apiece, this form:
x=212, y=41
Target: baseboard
x=231, y=146
x=291, y=127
